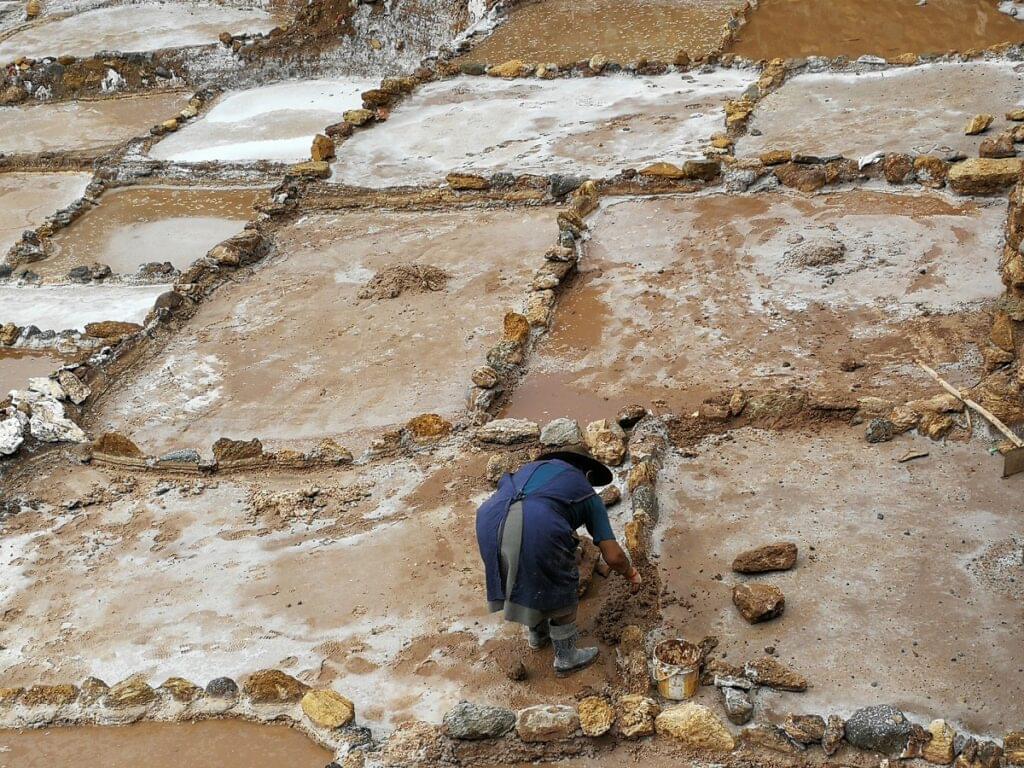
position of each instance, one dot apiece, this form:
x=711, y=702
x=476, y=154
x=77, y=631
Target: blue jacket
x=548, y=577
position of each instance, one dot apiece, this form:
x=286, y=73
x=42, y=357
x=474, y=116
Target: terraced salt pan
x=132, y=28
x=26, y=199
x=914, y=109
x=596, y=126
x=681, y=298
x=908, y=586
x=84, y=125
x=272, y=122
x=295, y=333
x=71, y=307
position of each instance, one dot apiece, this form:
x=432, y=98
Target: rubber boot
x=539, y=636
x=569, y=658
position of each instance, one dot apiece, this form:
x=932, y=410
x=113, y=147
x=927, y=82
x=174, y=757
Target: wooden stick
x=989, y=416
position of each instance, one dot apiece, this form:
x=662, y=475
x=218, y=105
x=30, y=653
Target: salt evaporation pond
x=132, y=28
x=71, y=307
x=26, y=199
x=17, y=366
x=594, y=126
x=273, y=122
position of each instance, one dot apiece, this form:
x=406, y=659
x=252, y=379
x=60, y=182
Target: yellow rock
x=978, y=124
x=539, y=306
x=1017, y=115
x=695, y=726
x=132, y=692
x=328, y=709
x=10, y=695
x=984, y=175
x=467, y=181
x=738, y=110
x=313, y=169
x=516, y=327
x=169, y=125
x=720, y=141
x=637, y=716
x=322, y=149
x=39, y=695
x=273, y=686
x=189, y=112
x=181, y=689
x=509, y=69
x=940, y=749
x=1013, y=748
x=663, y=171
x=596, y=715
x=32, y=9
x=357, y=116
x=428, y=426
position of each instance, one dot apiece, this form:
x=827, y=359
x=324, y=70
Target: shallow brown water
x=621, y=31
x=794, y=28
x=26, y=199
x=18, y=366
x=143, y=224
x=207, y=744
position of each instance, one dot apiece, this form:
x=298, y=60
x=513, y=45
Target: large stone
x=696, y=727
x=181, y=690
x=311, y=169
x=983, y=175
x=222, y=688
x=49, y=425
x=835, y=731
x=1013, y=744
x=226, y=450
x=110, y=330
x=606, y=441
x=805, y=729
x=116, y=444
x=766, y=736
x=779, y=556
x=428, y=427
x=940, y=749
x=508, y=431
x=478, y=721
x=561, y=432
x=322, y=148
x=467, y=181
x=738, y=706
x=49, y=695
x=76, y=391
x=978, y=124
x=547, y=722
x=772, y=673
x=636, y=716
x=881, y=728
x=357, y=116
x=758, y=602
x=328, y=709
x=596, y=715
x=509, y=69
x=998, y=146
x=92, y=690
x=272, y=686
x=133, y=692
x=11, y=435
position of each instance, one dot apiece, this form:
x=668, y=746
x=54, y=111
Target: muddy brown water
x=18, y=366
x=621, y=31
x=84, y=125
x=795, y=28
x=207, y=744
x=144, y=224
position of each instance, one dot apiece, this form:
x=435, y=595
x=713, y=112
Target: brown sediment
x=205, y=744
x=562, y=32
x=17, y=366
x=887, y=28
x=139, y=225
x=84, y=125
x=26, y=199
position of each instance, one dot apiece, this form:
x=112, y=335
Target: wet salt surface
x=71, y=307
x=132, y=28
x=887, y=28
x=271, y=122
x=877, y=610
x=84, y=125
x=137, y=225
x=594, y=126
x=620, y=31
x=26, y=199
x=681, y=298
x=204, y=744
x=921, y=109
x=18, y=366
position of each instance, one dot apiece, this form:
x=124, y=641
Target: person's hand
x=635, y=579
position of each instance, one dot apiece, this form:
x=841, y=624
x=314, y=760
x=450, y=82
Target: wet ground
x=721, y=298
x=132, y=28
x=67, y=307
x=84, y=125
x=296, y=335
x=620, y=31
x=26, y=199
x=887, y=28
x=273, y=122
x=17, y=366
x=908, y=585
x=138, y=225
x=594, y=127
x=207, y=744
x=916, y=109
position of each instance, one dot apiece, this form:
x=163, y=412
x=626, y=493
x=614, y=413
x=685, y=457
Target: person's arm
x=600, y=530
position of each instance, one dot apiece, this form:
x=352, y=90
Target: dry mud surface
x=887, y=28
x=595, y=127
x=28, y=198
x=681, y=298
x=620, y=31
x=296, y=338
x=914, y=109
x=139, y=225
x=907, y=589
x=131, y=28
x=84, y=125
x=208, y=744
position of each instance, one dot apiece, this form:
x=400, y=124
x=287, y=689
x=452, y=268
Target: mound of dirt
x=391, y=282
x=816, y=253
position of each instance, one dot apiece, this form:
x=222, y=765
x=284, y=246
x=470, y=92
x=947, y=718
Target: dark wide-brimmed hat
x=597, y=473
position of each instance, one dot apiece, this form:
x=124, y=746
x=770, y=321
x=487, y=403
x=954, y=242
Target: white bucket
x=677, y=669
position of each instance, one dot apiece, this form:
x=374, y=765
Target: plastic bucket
x=677, y=669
